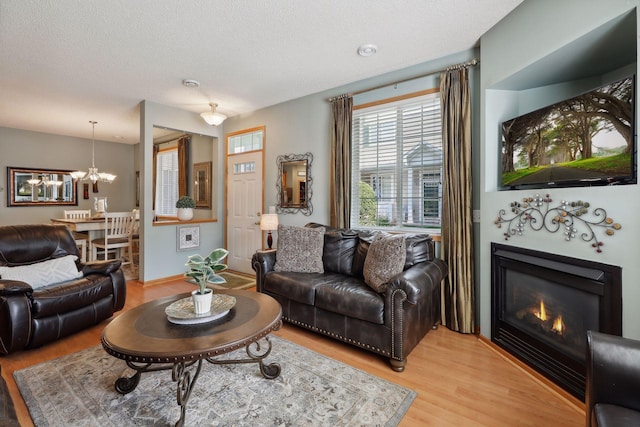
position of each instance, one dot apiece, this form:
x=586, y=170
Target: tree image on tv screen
x=585, y=138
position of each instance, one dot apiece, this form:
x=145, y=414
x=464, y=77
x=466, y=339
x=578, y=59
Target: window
x=167, y=182
x=244, y=141
x=397, y=163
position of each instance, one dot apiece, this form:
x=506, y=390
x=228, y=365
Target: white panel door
x=244, y=205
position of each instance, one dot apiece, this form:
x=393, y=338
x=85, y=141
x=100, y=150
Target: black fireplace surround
x=543, y=305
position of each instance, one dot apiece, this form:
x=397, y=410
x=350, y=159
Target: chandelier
x=213, y=117
x=93, y=175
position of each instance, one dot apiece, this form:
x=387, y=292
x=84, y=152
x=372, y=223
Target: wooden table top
x=144, y=334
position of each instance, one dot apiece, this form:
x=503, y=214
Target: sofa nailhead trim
x=334, y=335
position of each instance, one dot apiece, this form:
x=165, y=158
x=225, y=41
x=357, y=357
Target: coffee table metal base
x=183, y=376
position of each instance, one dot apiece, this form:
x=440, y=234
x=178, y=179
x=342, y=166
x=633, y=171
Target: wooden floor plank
x=460, y=379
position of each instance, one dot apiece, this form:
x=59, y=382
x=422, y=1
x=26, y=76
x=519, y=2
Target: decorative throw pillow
x=300, y=249
x=385, y=259
x=44, y=273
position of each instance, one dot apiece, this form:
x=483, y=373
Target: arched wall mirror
x=293, y=185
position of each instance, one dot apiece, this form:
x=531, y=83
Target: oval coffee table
x=148, y=342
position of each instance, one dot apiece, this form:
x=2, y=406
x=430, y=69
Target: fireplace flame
x=542, y=314
x=558, y=325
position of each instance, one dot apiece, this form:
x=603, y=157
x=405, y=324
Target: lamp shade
x=213, y=117
x=269, y=222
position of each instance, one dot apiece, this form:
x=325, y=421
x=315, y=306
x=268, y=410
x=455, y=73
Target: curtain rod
x=473, y=62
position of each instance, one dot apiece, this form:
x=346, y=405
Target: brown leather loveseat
x=338, y=303
x=31, y=317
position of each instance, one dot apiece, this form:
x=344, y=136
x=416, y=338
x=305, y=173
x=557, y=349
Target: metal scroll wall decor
x=572, y=218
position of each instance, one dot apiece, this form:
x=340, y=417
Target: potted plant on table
x=185, y=205
x=203, y=271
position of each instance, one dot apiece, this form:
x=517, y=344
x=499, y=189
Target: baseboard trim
x=571, y=400
x=162, y=280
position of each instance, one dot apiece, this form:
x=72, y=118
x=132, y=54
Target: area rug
x=312, y=390
x=236, y=281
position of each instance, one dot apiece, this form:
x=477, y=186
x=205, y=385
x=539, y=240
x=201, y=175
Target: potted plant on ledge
x=185, y=205
x=203, y=271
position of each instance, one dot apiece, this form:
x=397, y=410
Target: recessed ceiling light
x=367, y=50
x=190, y=83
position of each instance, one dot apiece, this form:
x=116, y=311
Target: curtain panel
x=183, y=166
x=340, y=188
x=457, y=232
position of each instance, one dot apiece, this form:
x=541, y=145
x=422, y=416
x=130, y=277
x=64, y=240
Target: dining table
x=93, y=226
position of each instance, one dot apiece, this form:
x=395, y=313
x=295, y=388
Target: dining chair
x=77, y=214
x=118, y=226
x=81, y=238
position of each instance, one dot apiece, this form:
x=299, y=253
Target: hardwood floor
x=461, y=380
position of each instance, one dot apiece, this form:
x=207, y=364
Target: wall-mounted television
x=586, y=140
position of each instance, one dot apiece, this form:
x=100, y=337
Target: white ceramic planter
x=185, y=214
x=202, y=303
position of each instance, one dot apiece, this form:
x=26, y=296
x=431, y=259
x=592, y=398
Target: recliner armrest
x=101, y=267
x=14, y=287
x=419, y=279
x=613, y=371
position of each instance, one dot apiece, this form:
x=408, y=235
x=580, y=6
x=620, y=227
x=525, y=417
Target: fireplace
x=544, y=304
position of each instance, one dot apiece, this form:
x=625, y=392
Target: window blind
x=397, y=164
x=167, y=182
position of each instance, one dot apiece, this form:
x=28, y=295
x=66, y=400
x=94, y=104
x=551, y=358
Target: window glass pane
x=248, y=167
x=167, y=182
x=397, y=164
x=246, y=142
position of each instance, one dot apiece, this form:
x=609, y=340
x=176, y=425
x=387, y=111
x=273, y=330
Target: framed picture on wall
x=202, y=184
x=187, y=237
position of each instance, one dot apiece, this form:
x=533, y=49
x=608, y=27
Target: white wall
x=21, y=148
x=516, y=44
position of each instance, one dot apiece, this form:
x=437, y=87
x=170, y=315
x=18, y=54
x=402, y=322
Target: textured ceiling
x=65, y=62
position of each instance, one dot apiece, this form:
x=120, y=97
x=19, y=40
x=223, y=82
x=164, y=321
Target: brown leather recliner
x=32, y=317
x=613, y=381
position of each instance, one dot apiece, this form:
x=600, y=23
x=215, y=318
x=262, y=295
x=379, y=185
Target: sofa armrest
x=110, y=268
x=418, y=279
x=101, y=267
x=14, y=287
x=262, y=262
x=613, y=372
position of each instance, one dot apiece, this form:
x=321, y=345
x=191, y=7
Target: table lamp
x=269, y=222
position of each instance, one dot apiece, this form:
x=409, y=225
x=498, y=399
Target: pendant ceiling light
x=213, y=117
x=93, y=175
